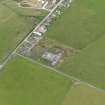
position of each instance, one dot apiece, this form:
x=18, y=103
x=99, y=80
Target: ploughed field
x=25, y=82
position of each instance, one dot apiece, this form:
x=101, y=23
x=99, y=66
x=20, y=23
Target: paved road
x=66, y=75
x=14, y=51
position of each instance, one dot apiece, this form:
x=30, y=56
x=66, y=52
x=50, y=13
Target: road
x=62, y=73
x=66, y=75
x=14, y=51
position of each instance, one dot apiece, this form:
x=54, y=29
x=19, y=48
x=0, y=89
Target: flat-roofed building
x=52, y=57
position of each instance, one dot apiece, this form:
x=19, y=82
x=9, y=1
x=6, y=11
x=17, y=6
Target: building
x=37, y=33
x=42, y=29
x=51, y=57
x=24, y=48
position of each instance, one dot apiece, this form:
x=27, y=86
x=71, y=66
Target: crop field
x=80, y=25
x=83, y=95
x=25, y=83
x=14, y=27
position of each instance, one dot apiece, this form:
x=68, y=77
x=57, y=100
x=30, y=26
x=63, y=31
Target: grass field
x=84, y=95
x=13, y=28
x=81, y=24
x=89, y=65
x=25, y=83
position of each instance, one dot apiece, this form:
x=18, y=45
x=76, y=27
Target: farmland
x=82, y=26
x=52, y=52
x=83, y=95
x=14, y=27
x=89, y=65
x=24, y=83
x=79, y=25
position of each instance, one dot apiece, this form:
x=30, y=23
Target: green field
x=84, y=95
x=89, y=65
x=14, y=27
x=79, y=32
x=81, y=24
x=25, y=83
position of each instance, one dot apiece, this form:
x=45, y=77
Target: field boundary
x=9, y=57
x=63, y=74
x=50, y=68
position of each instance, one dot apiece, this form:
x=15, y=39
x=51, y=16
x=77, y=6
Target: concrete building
x=37, y=33
x=42, y=29
x=51, y=57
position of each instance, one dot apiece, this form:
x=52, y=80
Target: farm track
x=53, y=69
x=14, y=51
x=62, y=73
